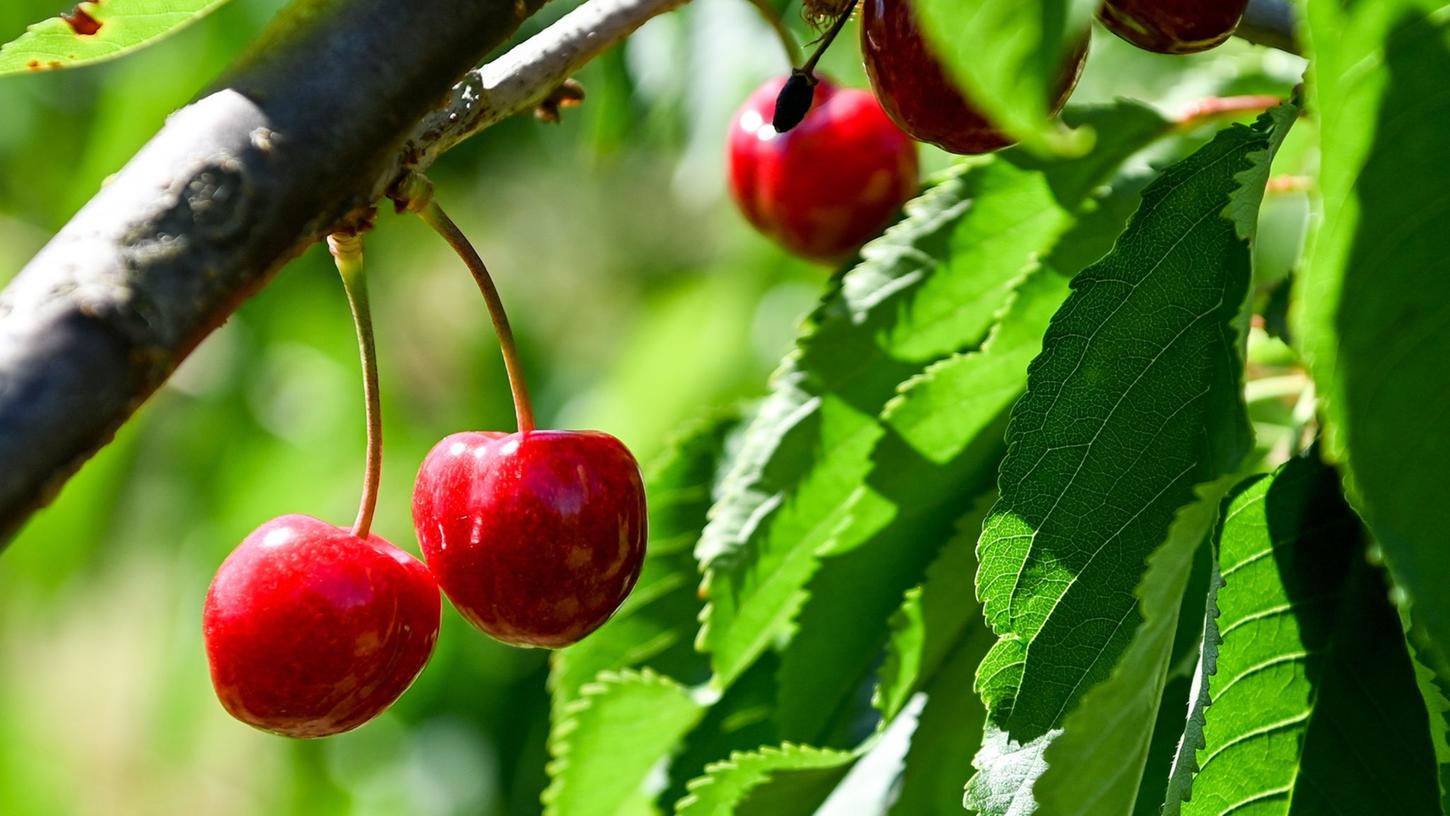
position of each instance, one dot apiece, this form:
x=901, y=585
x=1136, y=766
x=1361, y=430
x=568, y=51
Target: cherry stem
x=809, y=69
x=444, y=226
x=347, y=252
x=792, y=49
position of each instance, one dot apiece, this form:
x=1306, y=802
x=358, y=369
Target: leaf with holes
x=97, y=31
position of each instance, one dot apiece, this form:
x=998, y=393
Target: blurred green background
x=640, y=298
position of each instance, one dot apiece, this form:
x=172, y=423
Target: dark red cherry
x=312, y=631
x=829, y=184
x=915, y=90
x=536, y=537
x=1173, y=26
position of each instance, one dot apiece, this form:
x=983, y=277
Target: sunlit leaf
x=932, y=286
x=96, y=31
x=594, y=771
x=1132, y=408
x=791, y=780
x=1314, y=705
x=939, y=451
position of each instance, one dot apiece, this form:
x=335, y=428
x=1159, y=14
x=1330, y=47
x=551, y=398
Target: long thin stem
x=444, y=226
x=347, y=252
x=787, y=42
x=809, y=68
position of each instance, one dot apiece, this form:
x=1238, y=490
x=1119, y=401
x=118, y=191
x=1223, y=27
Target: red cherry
x=1173, y=26
x=915, y=90
x=536, y=537
x=312, y=631
x=829, y=184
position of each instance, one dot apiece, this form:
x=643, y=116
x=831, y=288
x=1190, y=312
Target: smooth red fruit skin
x=536, y=538
x=1173, y=26
x=311, y=631
x=828, y=185
x=915, y=91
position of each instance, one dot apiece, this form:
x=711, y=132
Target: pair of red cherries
x=826, y=186
x=536, y=538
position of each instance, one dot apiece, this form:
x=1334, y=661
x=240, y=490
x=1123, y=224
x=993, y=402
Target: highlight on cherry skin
x=1173, y=26
x=916, y=92
x=536, y=537
x=311, y=631
x=828, y=185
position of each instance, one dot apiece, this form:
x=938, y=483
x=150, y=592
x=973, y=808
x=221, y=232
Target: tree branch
x=301, y=136
x=526, y=75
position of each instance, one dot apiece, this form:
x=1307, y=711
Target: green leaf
x=1315, y=708
x=933, y=619
x=1134, y=403
x=94, y=32
x=932, y=286
x=656, y=624
x=1374, y=301
x=1437, y=703
x=941, y=444
x=1008, y=56
x=1098, y=761
x=595, y=770
x=941, y=447
x=1185, y=758
x=790, y=779
x=742, y=720
x=937, y=639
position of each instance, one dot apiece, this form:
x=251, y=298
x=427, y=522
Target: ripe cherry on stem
x=915, y=90
x=1173, y=26
x=830, y=184
x=310, y=629
x=537, y=536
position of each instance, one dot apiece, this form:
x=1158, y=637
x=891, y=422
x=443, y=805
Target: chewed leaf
x=98, y=31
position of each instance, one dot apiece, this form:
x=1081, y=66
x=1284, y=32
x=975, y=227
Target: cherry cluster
x=823, y=169
x=538, y=536
x=535, y=536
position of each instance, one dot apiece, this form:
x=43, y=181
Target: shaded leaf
x=1134, y=403
x=1374, y=301
x=1315, y=708
x=937, y=639
x=1185, y=758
